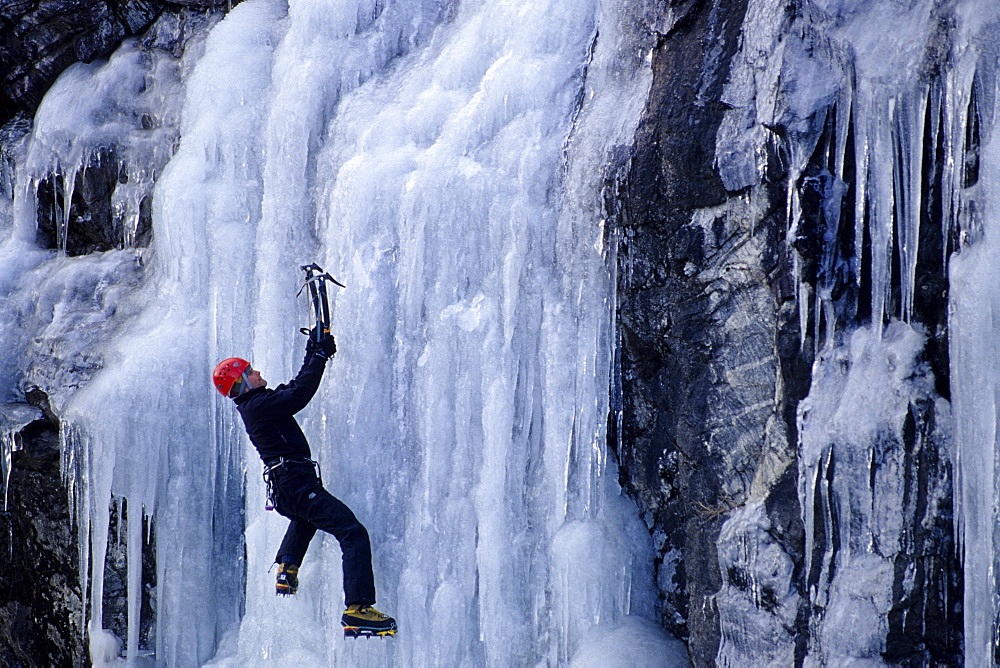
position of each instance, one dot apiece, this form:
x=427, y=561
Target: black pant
x=299, y=496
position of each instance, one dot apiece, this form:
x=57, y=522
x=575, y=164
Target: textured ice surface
x=128, y=112
x=874, y=83
x=853, y=420
x=975, y=401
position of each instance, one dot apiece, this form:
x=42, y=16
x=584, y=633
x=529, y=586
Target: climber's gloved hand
x=325, y=347
x=328, y=345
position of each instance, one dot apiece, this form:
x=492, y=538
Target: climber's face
x=255, y=379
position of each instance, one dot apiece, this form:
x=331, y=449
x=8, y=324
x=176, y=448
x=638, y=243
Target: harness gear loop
x=281, y=463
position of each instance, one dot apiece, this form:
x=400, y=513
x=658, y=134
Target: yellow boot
x=288, y=579
x=364, y=620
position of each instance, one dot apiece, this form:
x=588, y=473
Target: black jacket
x=268, y=413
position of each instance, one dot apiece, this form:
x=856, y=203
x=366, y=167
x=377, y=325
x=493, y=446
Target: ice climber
x=294, y=485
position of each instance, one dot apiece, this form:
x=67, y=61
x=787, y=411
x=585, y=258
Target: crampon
x=358, y=632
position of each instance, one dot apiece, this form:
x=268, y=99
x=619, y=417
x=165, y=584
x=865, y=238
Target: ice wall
x=446, y=161
x=472, y=380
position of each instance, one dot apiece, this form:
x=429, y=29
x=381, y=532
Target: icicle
x=793, y=214
x=828, y=506
x=818, y=313
x=883, y=207
x=83, y=518
x=949, y=184
x=842, y=124
x=974, y=371
x=830, y=318
x=100, y=477
x=134, y=552
x=912, y=150
x=68, y=188
x=9, y=444
x=860, y=114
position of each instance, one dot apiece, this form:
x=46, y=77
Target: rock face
x=40, y=39
x=698, y=320
x=743, y=272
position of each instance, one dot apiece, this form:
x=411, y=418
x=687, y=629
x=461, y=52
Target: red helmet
x=227, y=373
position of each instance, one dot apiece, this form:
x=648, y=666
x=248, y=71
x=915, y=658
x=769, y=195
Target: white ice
x=974, y=341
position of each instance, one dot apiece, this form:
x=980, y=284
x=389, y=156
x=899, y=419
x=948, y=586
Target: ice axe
x=316, y=280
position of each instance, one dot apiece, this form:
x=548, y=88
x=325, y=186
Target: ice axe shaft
x=316, y=280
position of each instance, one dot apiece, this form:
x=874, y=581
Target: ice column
x=173, y=453
x=976, y=381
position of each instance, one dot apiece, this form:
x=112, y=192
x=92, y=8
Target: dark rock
x=93, y=225
x=41, y=608
x=681, y=283
x=41, y=38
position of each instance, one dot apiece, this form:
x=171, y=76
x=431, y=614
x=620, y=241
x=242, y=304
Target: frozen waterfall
x=456, y=165
x=446, y=161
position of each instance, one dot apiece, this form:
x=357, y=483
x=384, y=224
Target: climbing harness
x=282, y=463
x=316, y=280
